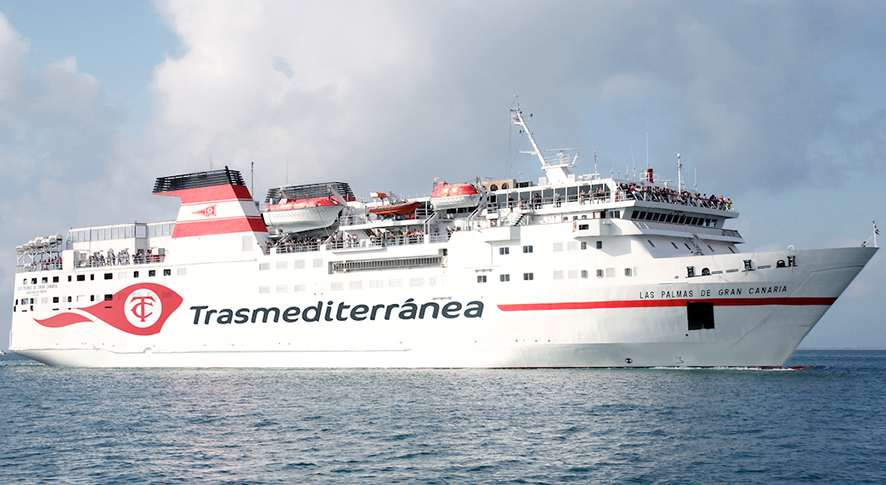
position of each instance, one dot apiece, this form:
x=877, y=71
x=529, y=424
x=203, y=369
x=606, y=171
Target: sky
x=778, y=105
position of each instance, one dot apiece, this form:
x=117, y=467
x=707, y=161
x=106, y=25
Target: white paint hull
x=750, y=329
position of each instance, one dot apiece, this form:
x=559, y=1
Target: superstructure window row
x=671, y=218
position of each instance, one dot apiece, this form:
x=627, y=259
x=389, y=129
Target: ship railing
x=39, y=266
x=94, y=262
x=376, y=241
x=299, y=247
x=668, y=198
x=353, y=220
x=547, y=202
x=438, y=238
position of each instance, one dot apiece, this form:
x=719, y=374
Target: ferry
x=569, y=270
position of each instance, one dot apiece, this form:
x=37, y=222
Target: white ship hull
x=639, y=323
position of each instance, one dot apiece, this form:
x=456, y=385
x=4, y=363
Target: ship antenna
x=252, y=179
x=595, y=165
x=647, y=151
x=679, y=174
x=633, y=164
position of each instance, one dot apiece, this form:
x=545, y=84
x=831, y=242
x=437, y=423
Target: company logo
x=143, y=308
x=140, y=309
x=206, y=211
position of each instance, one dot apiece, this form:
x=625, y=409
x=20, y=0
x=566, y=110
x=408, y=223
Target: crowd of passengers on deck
x=341, y=240
x=122, y=258
x=671, y=196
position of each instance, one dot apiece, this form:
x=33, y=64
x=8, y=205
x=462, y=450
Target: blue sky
x=778, y=105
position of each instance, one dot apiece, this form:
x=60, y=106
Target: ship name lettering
x=767, y=289
x=729, y=291
x=676, y=294
x=329, y=312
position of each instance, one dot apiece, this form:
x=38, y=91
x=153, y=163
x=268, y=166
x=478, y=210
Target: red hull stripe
x=218, y=226
x=594, y=305
x=215, y=193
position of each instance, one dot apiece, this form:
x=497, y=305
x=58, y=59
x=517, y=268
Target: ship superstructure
x=569, y=271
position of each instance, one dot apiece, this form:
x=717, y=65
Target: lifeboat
x=454, y=196
x=398, y=209
x=302, y=214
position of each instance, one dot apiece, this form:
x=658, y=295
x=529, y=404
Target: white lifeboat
x=454, y=196
x=302, y=214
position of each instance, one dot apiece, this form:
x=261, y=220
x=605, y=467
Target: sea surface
x=823, y=423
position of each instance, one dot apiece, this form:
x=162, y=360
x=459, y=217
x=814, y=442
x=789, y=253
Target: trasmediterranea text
x=342, y=312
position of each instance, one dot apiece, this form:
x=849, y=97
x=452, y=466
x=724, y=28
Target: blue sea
x=823, y=423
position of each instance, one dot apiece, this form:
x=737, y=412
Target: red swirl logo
x=140, y=309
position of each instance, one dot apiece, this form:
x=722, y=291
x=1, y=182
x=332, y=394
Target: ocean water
x=825, y=423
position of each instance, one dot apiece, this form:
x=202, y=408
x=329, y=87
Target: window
x=81, y=277
x=69, y=299
x=135, y=274
x=33, y=281
x=528, y=277
x=109, y=297
x=583, y=227
x=55, y=299
x=628, y=272
x=109, y=276
x=152, y=272
x=69, y=278
x=675, y=245
x=584, y=274
x=481, y=278
x=527, y=249
x=505, y=277
x=55, y=279
x=167, y=272
x=92, y=277
x=91, y=297
x=599, y=273
x=709, y=247
x=584, y=245
x=599, y=244
x=44, y=280
x=504, y=250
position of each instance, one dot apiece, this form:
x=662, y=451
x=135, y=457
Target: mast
x=555, y=167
